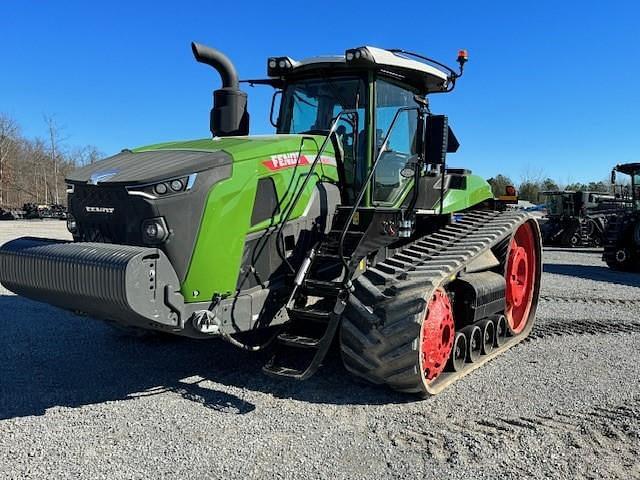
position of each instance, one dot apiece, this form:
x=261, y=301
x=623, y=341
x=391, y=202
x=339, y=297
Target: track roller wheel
x=597, y=239
x=488, y=335
x=474, y=342
x=520, y=274
x=575, y=240
x=459, y=353
x=501, y=330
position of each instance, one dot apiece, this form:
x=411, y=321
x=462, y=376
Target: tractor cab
x=622, y=246
x=629, y=192
x=562, y=203
x=372, y=102
x=576, y=204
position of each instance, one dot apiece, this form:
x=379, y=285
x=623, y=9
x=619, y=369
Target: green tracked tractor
x=345, y=225
x=622, y=236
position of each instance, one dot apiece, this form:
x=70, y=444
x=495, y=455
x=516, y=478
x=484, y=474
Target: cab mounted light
x=358, y=55
x=463, y=57
x=277, y=66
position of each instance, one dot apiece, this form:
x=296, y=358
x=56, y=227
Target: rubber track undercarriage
x=385, y=326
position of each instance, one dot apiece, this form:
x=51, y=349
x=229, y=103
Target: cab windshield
x=311, y=106
x=636, y=190
x=555, y=204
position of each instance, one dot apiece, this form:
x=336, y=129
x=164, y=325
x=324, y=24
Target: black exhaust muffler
x=229, y=115
x=126, y=284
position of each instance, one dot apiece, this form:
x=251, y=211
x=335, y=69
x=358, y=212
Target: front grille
x=90, y=195
x=121, y=225
x=101, y=232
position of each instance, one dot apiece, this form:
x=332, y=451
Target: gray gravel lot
x=79, y=399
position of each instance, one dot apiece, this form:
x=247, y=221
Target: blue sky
x=551, y=86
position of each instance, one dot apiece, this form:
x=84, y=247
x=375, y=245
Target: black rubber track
x=380, y=330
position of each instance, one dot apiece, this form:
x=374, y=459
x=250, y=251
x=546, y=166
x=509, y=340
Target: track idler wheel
x=474, y=342
x=520, y=276
x=488, y=335
x=501, y=330
x=459, y=353
x=436, y=335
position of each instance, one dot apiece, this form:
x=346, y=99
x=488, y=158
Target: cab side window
x=388, y=183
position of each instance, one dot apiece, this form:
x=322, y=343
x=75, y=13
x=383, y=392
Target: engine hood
x=158, y=162
x=137, y=168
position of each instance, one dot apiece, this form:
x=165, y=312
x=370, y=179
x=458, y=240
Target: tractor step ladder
x=585, y=238
x=337, y=248
x=315, y=309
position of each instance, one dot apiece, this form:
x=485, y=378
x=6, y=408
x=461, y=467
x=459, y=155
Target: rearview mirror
x=439, y=139
x=276, y=94
x=436, y=139
x=613, y=177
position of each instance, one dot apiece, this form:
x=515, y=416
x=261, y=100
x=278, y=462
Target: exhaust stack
x=229, y=115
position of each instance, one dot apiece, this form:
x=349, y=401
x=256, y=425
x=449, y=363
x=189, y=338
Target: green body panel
x=478, y=190
x=217, y=257
x=216, y=260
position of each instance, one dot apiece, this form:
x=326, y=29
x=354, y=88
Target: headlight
x=177, y=185
x=171, y=186
x=72, y=226
x=160, y=188
x=154, y=231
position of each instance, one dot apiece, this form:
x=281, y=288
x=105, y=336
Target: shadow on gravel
x=593, y=272
x=51, y=358
x=573, y=250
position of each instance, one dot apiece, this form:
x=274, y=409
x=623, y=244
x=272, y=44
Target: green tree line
x=529, y=189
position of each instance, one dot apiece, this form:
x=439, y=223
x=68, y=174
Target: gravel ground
x=81, y=400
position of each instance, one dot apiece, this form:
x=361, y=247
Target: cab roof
x=628, y=168
x=427, y=78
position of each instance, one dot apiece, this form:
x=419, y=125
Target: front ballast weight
x=135, y=286
x=128, y=285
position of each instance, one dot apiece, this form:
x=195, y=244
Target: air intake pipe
x=229, y=115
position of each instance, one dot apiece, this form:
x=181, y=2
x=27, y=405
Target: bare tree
x=86, y=155
x=9, y=133
x=55, y=140
x=33, y=170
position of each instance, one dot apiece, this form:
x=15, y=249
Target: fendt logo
x=108, y=210
x=288, y=160
x=285, y=160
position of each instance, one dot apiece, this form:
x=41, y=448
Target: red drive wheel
x=520, y=277
x=436, y=335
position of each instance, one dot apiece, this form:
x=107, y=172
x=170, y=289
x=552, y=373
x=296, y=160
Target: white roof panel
x=395, y=64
